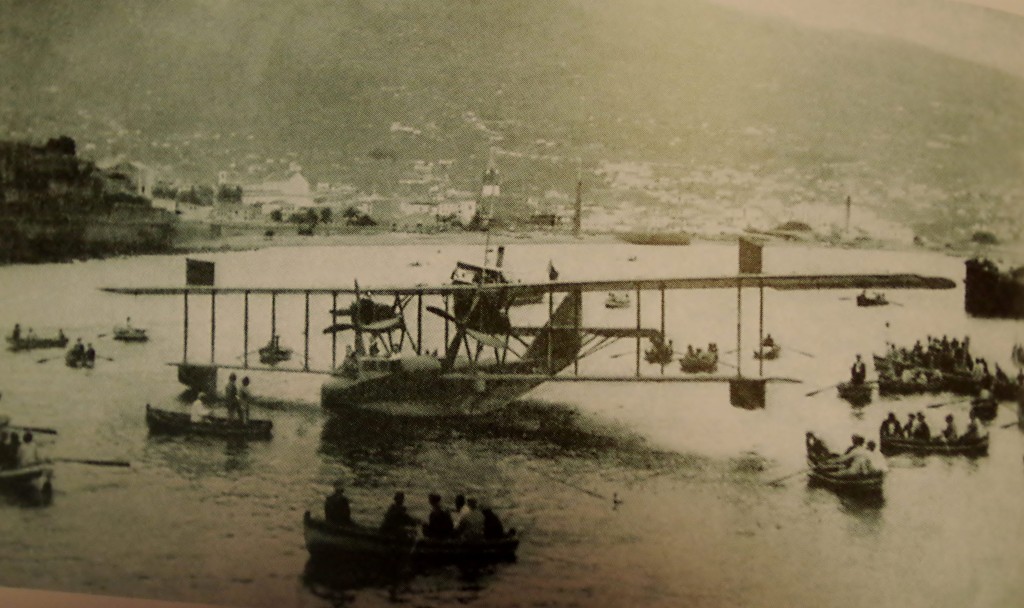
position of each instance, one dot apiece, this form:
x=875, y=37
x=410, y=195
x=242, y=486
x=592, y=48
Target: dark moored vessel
x=655, y=238
x=993, y=292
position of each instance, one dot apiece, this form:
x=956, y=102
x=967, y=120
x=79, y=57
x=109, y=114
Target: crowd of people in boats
x=916, y=428
x=237, y=402
x=467, y=520
x=858, y=460
x=937, y=360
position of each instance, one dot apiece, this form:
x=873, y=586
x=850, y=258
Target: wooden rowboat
x=130, y=334
x=617, y=300
x=833, y=477
x=328, y=540
x=76, y=360
x=704, y=362
x=37, y=475
x=24, y=343
x=856, y=394
x=876, y=300
x=178, y=423
x=985, y=409
x=973, y=447
x=768, y=352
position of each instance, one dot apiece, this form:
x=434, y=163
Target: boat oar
x=102, y=357
x=45, y=359
x=776, y=482
x=1009, y=424
x=727, y=364
x=801, y=352
x=955, y=401
x=616, y=356
x=824, y=388
x=34, y=429
x=96, y=463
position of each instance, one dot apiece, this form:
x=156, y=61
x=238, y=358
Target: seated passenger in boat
x=493, y=529
x=336, y=507
x=439, y=523
x=890, y=427
x=199, y=412
x=921, y=431
x=397, y=519
x=471, y=526
x=876, y=459
x=28, y=452
x=908, y=426
x=855, y=459
x=974, y=430
x=16, y=334
x=11, y=452
x=78, y=349
x=90, y=354
x=950, y=433
x=768, y=341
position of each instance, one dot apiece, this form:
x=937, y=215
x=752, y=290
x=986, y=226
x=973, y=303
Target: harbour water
x=215, y=522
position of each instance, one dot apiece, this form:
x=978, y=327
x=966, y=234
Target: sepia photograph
x=511, y=303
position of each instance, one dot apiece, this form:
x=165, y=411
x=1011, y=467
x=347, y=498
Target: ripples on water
x=210, y=521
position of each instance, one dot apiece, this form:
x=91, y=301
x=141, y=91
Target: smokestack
x=501, y=256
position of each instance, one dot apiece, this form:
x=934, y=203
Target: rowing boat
x=877, y=300
x=856, y=394
x=36, y=475
x=617, y=300
x=985, y=409
x=130, y=334
x=33, y=342
x=77, y=360
x=706, y=361
x=329, y=540
x=177, y=423
x=969, y=447
x=835, y=477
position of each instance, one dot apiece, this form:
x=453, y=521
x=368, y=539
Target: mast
x=578, y=216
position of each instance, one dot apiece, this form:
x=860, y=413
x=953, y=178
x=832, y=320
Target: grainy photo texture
x=516, y=303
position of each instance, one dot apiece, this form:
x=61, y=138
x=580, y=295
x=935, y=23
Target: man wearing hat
x=921, y=430
x=336, y=508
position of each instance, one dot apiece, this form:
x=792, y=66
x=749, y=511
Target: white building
x=293, y=192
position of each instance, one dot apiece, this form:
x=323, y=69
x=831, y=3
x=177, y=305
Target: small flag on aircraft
x=552, y=273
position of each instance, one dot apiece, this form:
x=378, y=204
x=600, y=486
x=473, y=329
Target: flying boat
x=486, y=360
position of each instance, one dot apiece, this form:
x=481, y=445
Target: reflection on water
x=211, y=521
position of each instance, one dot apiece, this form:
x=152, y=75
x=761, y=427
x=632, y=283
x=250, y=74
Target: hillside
x=196, y=86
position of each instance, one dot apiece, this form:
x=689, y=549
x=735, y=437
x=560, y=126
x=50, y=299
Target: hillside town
x=119, y=205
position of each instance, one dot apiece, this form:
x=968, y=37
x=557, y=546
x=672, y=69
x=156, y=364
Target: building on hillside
x=131, y=177
x=292, y=192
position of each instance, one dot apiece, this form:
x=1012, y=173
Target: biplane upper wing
x=785, y=282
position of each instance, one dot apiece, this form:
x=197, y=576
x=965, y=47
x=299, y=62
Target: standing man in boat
x=244, y=400
x=231, y=398
x=858, y=372
x=16, y=334
x=90, y=355
x=336, y=507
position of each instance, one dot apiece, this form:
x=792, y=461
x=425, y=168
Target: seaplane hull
x=423, y=394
